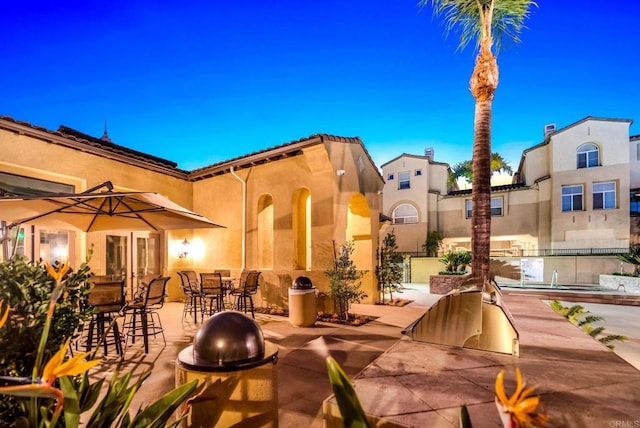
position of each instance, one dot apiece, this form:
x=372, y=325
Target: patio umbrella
x=98, y=211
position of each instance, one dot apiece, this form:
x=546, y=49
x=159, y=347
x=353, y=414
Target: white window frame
x=404, y=218
x=497, y=204
x=585, y=153
x=572, y=190
x=468, y=207
x=404, y=180
x=603, y=192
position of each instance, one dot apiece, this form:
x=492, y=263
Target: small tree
x=433, y=243
x=344, y=281
x=389, y=269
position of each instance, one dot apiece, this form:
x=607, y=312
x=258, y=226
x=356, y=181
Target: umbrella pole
x=4, y=238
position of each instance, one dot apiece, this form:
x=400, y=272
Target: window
x=604, y=195
x=418, y=172
x=390, y=176
x=634, y=203
x=405, y=214
x=638, y=151
x=572, y=197
x=404, y=180
x=496, y=207
x=588, y=156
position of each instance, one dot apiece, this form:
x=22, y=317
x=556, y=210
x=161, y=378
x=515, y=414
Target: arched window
x=588, y=156
x=404, y=214
x=265, y=231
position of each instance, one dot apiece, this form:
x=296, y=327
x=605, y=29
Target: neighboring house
x=578, y=191
x=286, y=209
x=412, y=187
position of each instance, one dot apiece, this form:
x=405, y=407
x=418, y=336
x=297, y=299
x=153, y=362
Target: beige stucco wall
x=33, y=157
x=591, y=228
x=343, y=208
x=422, y=195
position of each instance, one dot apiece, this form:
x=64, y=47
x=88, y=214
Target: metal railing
x=543, y=252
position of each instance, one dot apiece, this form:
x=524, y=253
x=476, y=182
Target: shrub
x=344, y=281
x=389, y=269
x=456, y=262
x=27, y=287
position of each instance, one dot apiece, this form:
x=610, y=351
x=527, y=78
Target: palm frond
x=593, y=332
x=465, y=18
x=589, y=319
x=606, y=340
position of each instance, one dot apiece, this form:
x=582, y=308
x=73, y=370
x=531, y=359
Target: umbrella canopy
x=91, y=212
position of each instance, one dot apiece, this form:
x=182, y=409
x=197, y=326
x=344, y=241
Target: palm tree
x=464, y=169
x=482, y=21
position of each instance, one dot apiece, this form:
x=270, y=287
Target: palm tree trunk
x=483, y=83
x=481, y=190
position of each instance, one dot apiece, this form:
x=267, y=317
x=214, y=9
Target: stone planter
x=629, y=284
x=442, y=284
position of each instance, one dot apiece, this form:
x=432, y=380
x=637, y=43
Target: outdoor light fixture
x=184, y=249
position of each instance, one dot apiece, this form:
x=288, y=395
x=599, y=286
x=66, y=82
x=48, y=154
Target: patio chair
x=212, y=292
x=191, y=290
x=244, y=293
x=108, y=298
x=142, y=318
x=143, y=283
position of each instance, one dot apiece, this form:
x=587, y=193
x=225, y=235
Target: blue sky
x=199, y=82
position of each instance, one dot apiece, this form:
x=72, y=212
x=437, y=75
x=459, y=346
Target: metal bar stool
x=142, y=318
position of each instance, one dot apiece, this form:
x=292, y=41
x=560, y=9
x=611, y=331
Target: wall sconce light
x=184, y=248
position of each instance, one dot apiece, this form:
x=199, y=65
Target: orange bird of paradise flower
x=519, y=410
x=5, y=317
x=54, y=369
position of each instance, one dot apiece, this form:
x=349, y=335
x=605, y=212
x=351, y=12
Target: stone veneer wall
x=442, y=284
x=627, y=284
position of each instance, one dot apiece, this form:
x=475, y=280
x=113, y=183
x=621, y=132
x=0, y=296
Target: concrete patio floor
x=411, y=383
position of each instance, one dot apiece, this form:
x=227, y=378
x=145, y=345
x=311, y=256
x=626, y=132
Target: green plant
x=578, y=316
x=433, y=243
x=344, y=281
x=353, y=415
x=389, y=268
x=52, y=395
x=456, y=262
x=633, y=258
x=27, y=288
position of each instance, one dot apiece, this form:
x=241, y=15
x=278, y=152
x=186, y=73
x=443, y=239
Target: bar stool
x=142, y=318
x=107, y=297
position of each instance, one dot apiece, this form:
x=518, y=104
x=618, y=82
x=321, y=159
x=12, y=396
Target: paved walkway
x=580, y=381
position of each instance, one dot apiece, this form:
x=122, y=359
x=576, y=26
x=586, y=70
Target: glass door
x=130, y=256
x=146, y=255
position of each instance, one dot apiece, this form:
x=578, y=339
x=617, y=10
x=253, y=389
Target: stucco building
x=285, y=209
x=576, y=192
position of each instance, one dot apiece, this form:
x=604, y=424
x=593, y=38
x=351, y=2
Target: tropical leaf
x=156, y=414
x=353, y=415
x=465, y=419
x=606, y=340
